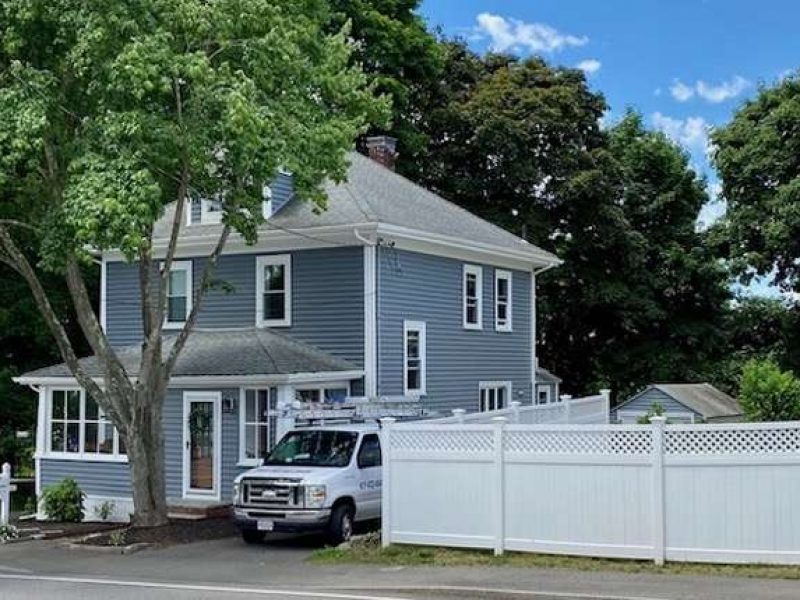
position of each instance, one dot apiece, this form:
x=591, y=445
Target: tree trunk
x=145, y=445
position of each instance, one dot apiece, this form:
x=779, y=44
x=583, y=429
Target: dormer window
x=210, y=212
x=179, y=294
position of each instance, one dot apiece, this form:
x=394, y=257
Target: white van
x=315, y=479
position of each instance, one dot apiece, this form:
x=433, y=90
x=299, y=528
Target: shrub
x=63, y=501
x=8, y=532
x=105, y=510
x=656, y=410
x=769, y=394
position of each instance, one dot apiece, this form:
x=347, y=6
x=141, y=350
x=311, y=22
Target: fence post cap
x=459, y=411
x=605, y=392
x=565, y=397
x=499, y=420
x=6, y=469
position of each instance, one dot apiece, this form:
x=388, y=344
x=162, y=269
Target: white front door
x=202, y=417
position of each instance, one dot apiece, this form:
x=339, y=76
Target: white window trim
x=243, y=460
x=323, y=386
x=420, y=327
x=81, y=456
x=274, y=259
x=546, y=388
x=507, y=276
x=207, y=216
x=476, y=270
x=180, y=265
x=486, y=385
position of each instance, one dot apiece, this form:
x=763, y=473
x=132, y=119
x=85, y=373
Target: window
x=274, y=291
x=332, y=393
x=414, y=358
x=493, y=395
x=502, y=300
x=259, y=422
x=79, y=428
x=210, y=212
x=369, y=455
x=542, y=394
x=179, y=294
x=473, y=297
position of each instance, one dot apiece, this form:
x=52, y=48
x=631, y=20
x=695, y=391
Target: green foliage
x=7, y=533
x=104, y=510
x=63, y=502
x=769, y=394
x=656, y=410
x=758, y=160
x=118, y=538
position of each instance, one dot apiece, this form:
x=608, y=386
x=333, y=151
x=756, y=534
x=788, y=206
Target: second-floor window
x=210, y=212
x=274, y=291
x=472, y=287
x=502, y=300
x=414, y=358
x=179, y=294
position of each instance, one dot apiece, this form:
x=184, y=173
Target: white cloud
x=680, y=91
x=691, y=133
x=714, y=209
x=709, y=92
x=513, y=34
x=589, y=66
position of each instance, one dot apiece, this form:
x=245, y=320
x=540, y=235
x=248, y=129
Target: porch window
x=259, y=424
x=79, y=428
x=179, y=294
x=502, y=301
x=472, y=287
x=414, y=358
x=493, y=395
x=274, y=291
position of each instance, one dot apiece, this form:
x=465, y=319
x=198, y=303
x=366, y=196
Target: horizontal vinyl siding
x=94, y=478
x=327, y=299
x=427, y=288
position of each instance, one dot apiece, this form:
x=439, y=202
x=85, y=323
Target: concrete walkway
x=230, y=569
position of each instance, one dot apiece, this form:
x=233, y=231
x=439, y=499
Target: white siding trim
x=420, y=327
x=509, y=278
x=534, y=360
x=477, y=271
x=274, y=259
x=370, y=323
x=103, y=293
x=180, y=265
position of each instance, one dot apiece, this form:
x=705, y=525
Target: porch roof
x=222, y=353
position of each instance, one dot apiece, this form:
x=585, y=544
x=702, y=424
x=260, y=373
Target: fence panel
x=728, y=492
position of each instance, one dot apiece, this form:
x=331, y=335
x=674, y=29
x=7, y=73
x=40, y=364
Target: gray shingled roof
x=545, y=376
x=375, y=194
x=225, y=352
x=703, y=398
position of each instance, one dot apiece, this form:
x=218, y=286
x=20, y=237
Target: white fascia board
x=222, y=380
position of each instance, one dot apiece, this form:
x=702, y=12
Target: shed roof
x=545, y=376
x=702, y=398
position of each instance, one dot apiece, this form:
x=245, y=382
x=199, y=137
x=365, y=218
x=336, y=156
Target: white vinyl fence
x=577, y=411
x=708, y=493
x=5, y=493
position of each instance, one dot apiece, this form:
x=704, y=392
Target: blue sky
x=684, y=64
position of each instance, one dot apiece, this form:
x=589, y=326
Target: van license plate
x=265, y=525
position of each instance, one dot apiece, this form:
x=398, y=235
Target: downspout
x=534, y=358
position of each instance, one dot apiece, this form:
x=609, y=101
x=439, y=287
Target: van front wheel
x=340, y=528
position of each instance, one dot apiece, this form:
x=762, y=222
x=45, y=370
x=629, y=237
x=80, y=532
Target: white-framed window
x=543, y=394
x=258, y=422
x=414, y=358
x=274, y=290
x=472, y=292
x=210, y=211
x=323, y=393
x=493, y=395
x=77, y=428
x=502, y=300
x=179, y=294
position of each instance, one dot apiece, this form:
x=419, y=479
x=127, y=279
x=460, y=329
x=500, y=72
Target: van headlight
x=236, y=491
x=314, y=496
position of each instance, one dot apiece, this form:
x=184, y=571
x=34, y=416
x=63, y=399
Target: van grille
x=272, y=493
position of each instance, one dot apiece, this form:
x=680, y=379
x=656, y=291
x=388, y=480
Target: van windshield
x=314, y=449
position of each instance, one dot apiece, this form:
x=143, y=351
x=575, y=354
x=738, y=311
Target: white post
x=659, y=513
x=5, y=494
x=459, y=413
x=606, y=394
x=565, y=400
x=499, y=486
x=515, y=411
x=386, y=484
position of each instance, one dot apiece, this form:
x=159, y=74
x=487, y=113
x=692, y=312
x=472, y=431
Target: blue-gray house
x=390, y=292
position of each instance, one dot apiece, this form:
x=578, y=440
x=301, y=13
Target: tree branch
x=205, y=281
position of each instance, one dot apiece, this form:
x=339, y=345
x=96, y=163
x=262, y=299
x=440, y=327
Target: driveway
x=230, y=569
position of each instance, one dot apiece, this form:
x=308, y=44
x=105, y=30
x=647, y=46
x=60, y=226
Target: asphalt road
x=230, y=569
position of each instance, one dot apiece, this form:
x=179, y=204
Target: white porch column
x=285, y=399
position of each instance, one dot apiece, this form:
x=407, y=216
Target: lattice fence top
x=732, y=441
x=457, y=440
x=579, y=441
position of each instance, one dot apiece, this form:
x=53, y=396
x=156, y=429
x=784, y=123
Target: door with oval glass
x=201, y=444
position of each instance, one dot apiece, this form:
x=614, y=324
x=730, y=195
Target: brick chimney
x=383, y=149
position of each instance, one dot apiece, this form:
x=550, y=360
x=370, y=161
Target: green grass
x=371, y=553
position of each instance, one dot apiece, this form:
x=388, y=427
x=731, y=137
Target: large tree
x=110, y=111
